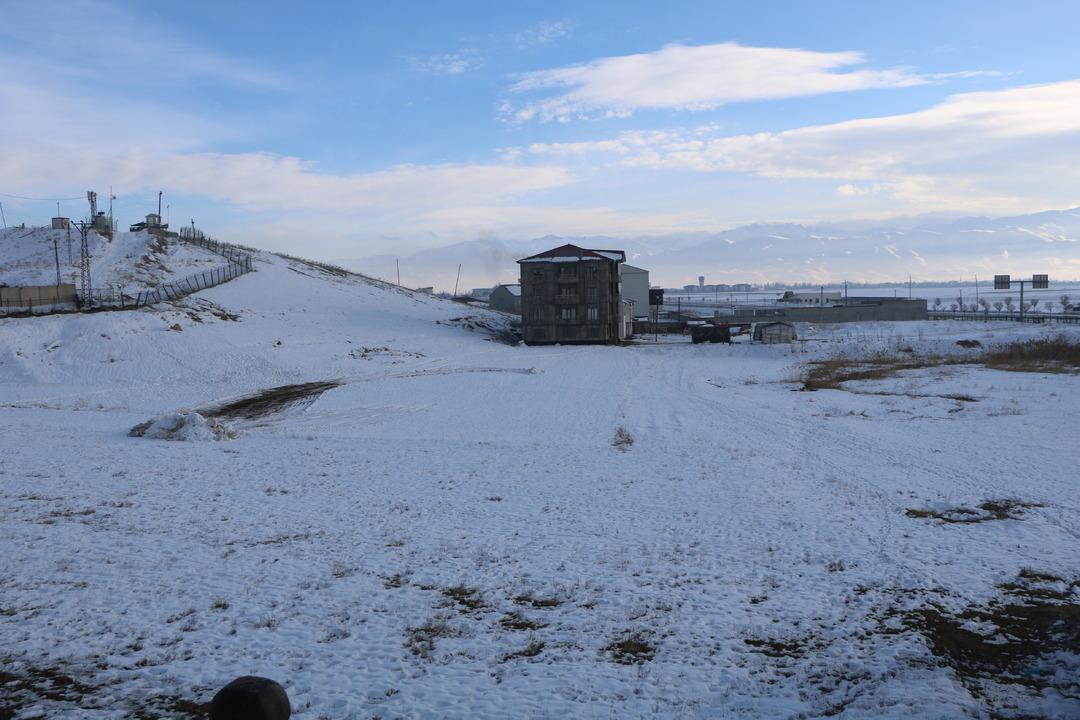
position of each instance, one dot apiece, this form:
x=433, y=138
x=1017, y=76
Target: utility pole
x=112, y=224
x=56, y=256
x=458, y=279
x=69, y=242
x=2, y=215
x=397, y=264
x=160, y=193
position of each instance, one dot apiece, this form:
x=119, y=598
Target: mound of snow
x=187, y=426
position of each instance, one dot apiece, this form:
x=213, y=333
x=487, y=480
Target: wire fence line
x=1015, y=316
x=239, y=262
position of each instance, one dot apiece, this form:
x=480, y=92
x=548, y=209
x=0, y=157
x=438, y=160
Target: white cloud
x=260, y=181
x=1014, y=149
x=694, y=78
x=542, y=33
x=455, y=63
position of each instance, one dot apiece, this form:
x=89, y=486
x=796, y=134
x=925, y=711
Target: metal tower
x=84, y=262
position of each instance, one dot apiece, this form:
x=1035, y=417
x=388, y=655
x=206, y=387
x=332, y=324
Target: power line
x=22, y=197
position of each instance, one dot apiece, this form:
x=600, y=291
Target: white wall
x=635, y=286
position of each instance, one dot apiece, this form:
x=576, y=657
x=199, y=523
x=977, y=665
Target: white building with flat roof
x=635, y=286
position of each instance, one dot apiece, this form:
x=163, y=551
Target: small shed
x=775, y=332
x=506, y=298
x=60, y=223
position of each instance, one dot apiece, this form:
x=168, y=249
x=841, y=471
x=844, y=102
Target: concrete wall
x=37, y=295
x=889, y=310
x=635, y=286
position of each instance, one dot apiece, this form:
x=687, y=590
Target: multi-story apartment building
x=572, y=295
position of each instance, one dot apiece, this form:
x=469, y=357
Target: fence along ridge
x=239, y=263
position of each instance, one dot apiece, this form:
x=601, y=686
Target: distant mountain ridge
x=924, y=248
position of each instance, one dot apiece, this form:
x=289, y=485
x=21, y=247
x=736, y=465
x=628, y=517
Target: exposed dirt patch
x=517, y=621
x=1030, y=637
x=421, y=640
x=498, y=332
x=270, y=401
x=1008, y=509
x=533, y=649
x=529, y=599
x=466, y=597
x=634, y=649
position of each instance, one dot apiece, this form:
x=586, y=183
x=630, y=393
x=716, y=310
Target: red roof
x=579, y=253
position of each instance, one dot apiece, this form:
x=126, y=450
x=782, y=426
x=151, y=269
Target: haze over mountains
x=927, y=248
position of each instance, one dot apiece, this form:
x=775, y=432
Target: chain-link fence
x=239, y=262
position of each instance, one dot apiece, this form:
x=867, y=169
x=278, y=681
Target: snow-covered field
x=455, y=531
x=133, y=261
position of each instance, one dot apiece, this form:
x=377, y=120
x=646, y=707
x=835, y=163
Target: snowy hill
x=926, y=248
x=134, y=261
x=430, y=523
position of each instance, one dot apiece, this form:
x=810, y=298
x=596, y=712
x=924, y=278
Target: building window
x=568, y=313
x=592, y=292
x=568, y=271
x=538, y=313
x=592, y=314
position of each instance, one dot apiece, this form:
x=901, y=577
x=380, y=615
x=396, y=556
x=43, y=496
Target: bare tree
x=998, y=305
x=1009, y=305
x=1064, y=300
x=937, y=303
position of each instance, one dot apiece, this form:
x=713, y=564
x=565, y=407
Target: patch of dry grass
x=1057, y=355
x=1030, y=636
x=633, y=649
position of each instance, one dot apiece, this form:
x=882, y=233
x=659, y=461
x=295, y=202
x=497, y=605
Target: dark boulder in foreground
x=250, y=698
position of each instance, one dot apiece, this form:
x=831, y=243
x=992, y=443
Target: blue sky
x=352, y=129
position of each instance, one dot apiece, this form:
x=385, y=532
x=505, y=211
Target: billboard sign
x=1002, y=282
x=656, y=296
x=1040, y=282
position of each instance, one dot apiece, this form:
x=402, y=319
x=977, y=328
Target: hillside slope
x=134, y=261
x=454, y=527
